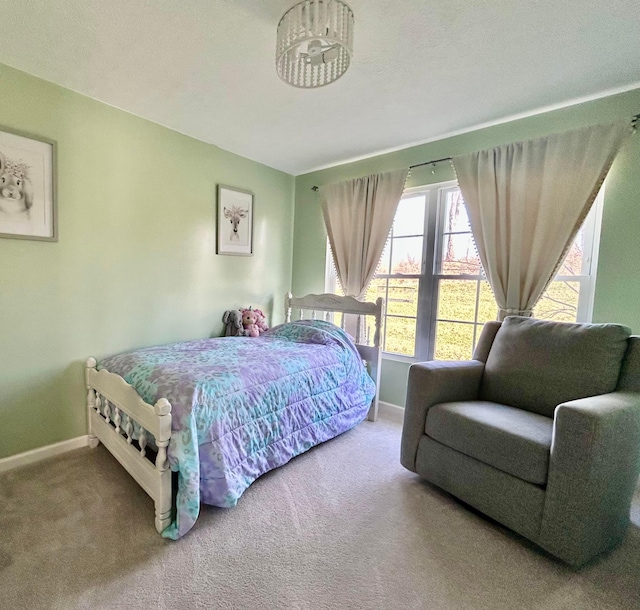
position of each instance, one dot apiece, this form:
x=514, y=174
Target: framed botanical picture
x=27, y=186
x=235, y=221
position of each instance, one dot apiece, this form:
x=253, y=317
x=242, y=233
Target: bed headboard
x=325, y=306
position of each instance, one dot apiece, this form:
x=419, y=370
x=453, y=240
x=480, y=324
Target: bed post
x=378, y=332
x=91, y=401
x=376, y=365
x=287, y=307
x=163, y=501
x=375, y=375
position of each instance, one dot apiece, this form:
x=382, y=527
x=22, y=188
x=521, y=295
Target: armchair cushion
x=512, y=440
x=536, y=365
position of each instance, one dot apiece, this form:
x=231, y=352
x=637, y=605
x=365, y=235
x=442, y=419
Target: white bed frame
x=330, y=304
x=109, y=396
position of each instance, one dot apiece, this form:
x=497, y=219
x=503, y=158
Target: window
x=463, y=300
x=431, y=278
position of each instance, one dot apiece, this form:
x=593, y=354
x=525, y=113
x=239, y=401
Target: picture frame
x=28, y=198
x=235, y=221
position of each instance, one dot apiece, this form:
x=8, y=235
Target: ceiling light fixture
x=315, y=43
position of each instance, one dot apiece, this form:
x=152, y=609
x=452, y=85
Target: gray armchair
x=540, y=431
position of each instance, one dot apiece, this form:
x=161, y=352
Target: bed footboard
x=109, y=399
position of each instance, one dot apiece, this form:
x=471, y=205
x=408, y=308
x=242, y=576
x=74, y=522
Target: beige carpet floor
x=343, y=526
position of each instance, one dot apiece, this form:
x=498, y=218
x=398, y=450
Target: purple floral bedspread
x=242, y=406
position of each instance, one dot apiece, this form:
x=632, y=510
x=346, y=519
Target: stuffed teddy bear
x=261, y=322
x=249, y=319
x=233, y=323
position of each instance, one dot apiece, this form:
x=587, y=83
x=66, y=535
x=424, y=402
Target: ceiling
x=421, y=68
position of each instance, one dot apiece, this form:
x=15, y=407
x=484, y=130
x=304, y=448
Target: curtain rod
x=433, y=162
x=634, y=119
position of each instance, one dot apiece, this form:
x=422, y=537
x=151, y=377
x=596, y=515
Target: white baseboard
x=42, y=453
x=390, y=411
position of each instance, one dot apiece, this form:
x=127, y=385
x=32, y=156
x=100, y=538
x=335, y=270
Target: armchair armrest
x=431, y=383
x=593, y=471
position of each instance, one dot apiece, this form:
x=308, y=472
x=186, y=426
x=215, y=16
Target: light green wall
x=618, y=280
x=135, y=264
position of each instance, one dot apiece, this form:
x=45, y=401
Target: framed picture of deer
x=27, y=186
x=235, y=221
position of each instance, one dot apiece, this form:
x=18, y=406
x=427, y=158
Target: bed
x=198, y=421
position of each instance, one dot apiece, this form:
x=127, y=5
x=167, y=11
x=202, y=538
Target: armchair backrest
x=536, y=364
x=488, y=334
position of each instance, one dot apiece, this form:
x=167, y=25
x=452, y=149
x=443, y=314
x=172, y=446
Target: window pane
x=574, y=260
x=459, y=255
x=457, y=300
x=559, y=302
x=409, y=218
x=453, y=341
x=407, y=255
x=403, y=297
x=456, y=218
x=487, y=306
x=400, y=335
x=377, y=288
x=383, y=266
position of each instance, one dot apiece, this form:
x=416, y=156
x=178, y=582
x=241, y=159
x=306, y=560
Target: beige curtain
x=358, y=215
x=526, y=202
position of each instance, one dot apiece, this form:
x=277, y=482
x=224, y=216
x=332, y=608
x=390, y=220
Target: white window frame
x=429, y=279
x=437, y=276
x=587, y=278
